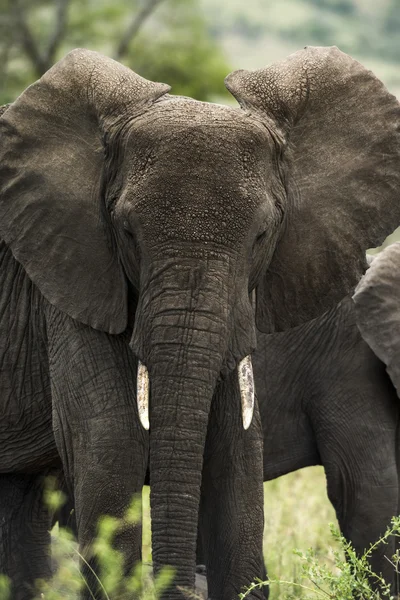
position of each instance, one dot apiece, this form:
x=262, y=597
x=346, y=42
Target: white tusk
x=143, y=385
x=246, y=385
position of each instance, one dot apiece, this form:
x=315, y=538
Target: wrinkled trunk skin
x=183, y=341
x=182, y=396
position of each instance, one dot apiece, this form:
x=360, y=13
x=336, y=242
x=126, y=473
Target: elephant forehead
x=190, y=134
x=215, y=219
x=196, y=171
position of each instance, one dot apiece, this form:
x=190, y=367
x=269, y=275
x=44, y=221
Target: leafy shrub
x=350, y=578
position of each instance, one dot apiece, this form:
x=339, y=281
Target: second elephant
x=326, y=399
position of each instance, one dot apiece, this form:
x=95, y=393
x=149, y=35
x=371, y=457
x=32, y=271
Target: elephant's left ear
x=54, y=140
x=377, y=305
x=338, y=128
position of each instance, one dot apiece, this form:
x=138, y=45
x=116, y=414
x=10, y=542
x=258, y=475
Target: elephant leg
x=364, y=510
x=24, y=533
x=105, y=478
x=201, y=571
x=359, y=456
x=103, y=447
x=105, y=484
x=231, y=509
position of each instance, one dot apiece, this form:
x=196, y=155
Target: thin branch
x=41, y=61
x=27, y=40
x=134, y=26
x=59, y=32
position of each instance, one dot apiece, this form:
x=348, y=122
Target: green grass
x=297, y=516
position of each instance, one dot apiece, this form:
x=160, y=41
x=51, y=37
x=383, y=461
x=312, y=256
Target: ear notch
x=342, y=165
x=51, y=162
x=377, y=306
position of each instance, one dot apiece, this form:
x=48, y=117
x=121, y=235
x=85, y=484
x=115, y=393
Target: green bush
x=67, y=580
x=350, y=578
x=334, y=573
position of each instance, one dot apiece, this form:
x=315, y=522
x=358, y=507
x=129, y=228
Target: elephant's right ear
x=338, y=130
x=51, y=162
x=377, y=305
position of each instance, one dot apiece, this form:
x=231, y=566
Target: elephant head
x=377, y=306
x=126, y=205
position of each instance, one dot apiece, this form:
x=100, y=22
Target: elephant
x=135, y=226
x=326, y=398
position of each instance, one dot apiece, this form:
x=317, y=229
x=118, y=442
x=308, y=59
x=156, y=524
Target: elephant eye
x=127, y=228
x=262, y=232
x=261, y=235
x=259, y=242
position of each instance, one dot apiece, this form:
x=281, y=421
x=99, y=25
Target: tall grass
x=297, y=516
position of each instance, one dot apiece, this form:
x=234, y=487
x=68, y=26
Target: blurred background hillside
x=256, y=32
x=193, y=44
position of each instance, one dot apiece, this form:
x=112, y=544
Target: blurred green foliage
x=361, y=25
x=183, y=53
x=351, y=577
x=67, y=580
x=257, y=32
x=185, y=42
x=172, y=43
x=4, y=588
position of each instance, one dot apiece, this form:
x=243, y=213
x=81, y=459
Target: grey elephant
x=326, y=398
x=135, y=226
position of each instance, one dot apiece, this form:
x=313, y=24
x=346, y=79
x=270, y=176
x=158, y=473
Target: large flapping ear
x=51, y=161
x=377, y=305
x=341, y=147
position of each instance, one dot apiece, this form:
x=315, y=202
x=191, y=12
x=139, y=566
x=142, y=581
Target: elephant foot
x=201, y=582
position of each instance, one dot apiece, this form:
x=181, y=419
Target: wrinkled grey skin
x=135, y=225
x=326, y=399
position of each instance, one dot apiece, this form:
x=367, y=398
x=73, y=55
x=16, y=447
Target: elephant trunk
x=181, y=394
x=182, y=334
